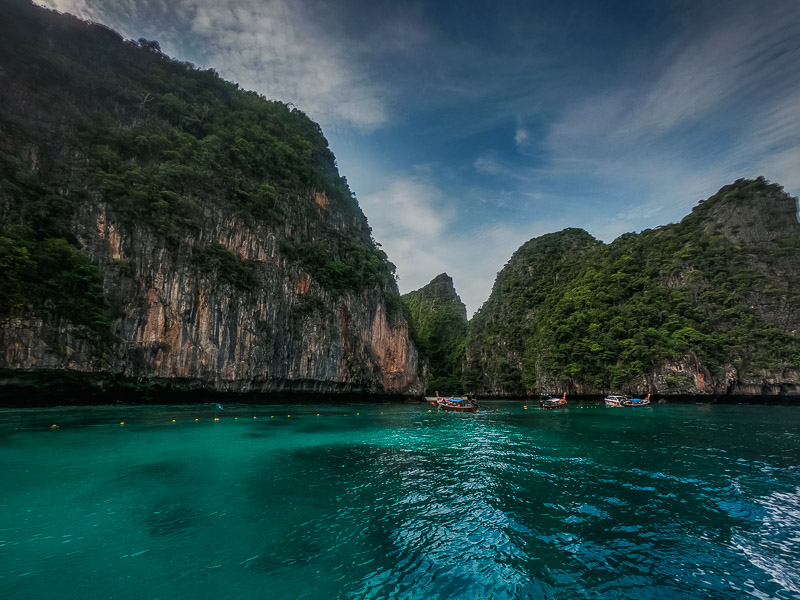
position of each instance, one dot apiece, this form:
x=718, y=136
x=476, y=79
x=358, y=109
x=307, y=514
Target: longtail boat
x=454, y=403
x=637, y=401
x=548, y=402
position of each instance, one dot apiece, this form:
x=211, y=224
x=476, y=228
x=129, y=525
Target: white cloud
x=521, y=136
x=482, y=254
x=422, y=232
x=409, y=206
x=784, y=168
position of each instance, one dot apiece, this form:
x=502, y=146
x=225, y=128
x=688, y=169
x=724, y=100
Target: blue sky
x=467, y=128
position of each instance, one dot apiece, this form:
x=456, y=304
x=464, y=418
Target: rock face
x=174, y=324
x=230, y=279
x=438, y=321
x=708, y=306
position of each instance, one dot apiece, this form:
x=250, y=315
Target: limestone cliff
x=707, y=306
x=226, y=251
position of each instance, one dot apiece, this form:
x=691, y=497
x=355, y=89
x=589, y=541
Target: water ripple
x=395, y=502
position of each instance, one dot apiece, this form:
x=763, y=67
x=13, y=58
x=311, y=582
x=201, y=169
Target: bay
x=393, y=501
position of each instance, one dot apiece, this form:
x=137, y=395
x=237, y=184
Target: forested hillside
x=438, y=325
x=158, y=221
x=707, y=305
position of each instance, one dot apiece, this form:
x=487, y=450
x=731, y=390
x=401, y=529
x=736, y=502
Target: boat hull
x=552, y=405
x=637, y=402
x=470, y=409
x=634, y=404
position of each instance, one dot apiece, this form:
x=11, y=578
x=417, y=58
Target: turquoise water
x=393, y=501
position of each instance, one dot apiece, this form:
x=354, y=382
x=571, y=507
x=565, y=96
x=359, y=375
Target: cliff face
x=707, y=306
x=226, y=250
x=438, y=321
x=174, y=324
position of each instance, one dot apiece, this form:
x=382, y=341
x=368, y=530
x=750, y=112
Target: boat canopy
x=459, y=400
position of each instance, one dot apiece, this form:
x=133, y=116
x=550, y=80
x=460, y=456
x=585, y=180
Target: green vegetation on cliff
x=438, y=325
x=41, y=269
x=499, y=333
x=86, y=117
x=570, y=313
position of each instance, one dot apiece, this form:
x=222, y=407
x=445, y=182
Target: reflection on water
x=378, y=501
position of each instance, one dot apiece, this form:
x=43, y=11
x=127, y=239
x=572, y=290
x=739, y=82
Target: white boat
x=547, y=402
x=616, y=400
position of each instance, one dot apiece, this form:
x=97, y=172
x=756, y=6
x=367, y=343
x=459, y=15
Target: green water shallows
x=393, y=501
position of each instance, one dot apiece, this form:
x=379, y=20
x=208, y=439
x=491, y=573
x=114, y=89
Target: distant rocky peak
x=440, y=291
x=750, y=211
x=442, y=284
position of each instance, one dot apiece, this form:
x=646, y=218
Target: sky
x=467, y=128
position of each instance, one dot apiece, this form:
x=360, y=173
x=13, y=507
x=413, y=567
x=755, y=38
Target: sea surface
x=321, y=501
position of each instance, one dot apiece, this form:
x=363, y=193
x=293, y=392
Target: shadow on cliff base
x=64, y=388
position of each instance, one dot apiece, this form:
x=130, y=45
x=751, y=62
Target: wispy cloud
x=722, y=67
x=420, y=228
x=489, y=164
x=409, y=206
x=276, y=47
x=721, y=101
x=521, y=134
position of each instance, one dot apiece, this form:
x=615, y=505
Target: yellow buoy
x=235, y=418
x=216, y=418
x=271, y=417
x=197, y=419
x=288, y=416
x=358, y=414
x=53, y=426
x=317, y=414
x=429, y=410
x=173, y=420
x=255, y=417
x=122, y=423
x=525, y=407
